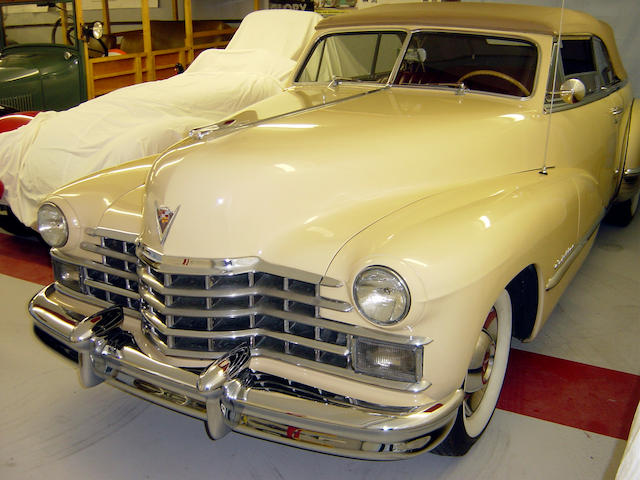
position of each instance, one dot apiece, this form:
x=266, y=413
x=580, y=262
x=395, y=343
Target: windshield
x=477, y=62
x=486, y=63
x=38, y=24
x=366, y=56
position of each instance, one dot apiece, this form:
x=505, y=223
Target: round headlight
x=381, y=295
x=97, y=30
x=52, y=225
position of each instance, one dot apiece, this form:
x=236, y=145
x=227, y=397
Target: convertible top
x=487, y=16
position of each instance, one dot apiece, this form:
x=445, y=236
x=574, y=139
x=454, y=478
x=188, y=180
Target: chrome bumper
x=223, y=396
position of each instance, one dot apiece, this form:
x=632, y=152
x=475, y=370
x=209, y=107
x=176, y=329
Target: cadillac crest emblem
x=165, y=217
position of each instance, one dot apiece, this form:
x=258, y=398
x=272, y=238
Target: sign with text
x=292, y=4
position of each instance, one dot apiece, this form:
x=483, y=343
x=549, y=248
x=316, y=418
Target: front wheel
x=483, y=382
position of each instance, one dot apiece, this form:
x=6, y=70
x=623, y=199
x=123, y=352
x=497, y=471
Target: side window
x=603, y=63
x=578, y=61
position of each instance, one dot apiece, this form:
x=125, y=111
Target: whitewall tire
x=483, y=382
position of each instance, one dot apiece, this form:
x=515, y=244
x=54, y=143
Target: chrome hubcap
x=481, y=365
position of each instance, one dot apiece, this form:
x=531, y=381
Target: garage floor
x=567, y=404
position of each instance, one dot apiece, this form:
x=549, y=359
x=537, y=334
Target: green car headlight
x=381, y=295
x=52, y=225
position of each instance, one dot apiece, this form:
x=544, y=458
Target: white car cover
x=56, y=148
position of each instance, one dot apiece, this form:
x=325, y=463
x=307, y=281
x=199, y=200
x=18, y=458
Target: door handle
x=616, y=112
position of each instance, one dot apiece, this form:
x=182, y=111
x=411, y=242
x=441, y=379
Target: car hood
x=19, y=67
x=293, y=189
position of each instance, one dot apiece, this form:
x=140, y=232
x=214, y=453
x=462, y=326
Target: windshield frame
x=407, y=41
x=71, y=14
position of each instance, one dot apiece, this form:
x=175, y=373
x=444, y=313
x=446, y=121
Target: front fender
x=91, y=199
x=458, y=250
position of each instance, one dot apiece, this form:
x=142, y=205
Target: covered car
x=342, y=267
x=59, y=147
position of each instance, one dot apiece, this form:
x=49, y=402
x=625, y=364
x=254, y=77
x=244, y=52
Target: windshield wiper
x=336, y=80
x=460, y=86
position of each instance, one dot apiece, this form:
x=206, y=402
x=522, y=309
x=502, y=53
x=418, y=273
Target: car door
x=620, y=105
x=584, y=135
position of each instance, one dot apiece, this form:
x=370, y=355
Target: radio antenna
x=553, y=90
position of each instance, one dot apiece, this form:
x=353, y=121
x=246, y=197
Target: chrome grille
x=204, y=316
x=201, y=308
x=114, y=279
x=22, y=103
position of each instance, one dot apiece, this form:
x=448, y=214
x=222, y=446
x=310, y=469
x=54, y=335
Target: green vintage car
x=42, y=66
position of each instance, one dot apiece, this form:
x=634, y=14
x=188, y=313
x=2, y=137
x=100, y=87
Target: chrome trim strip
x=90, y=247
x=201, y=133
x=112, y=289
x=230, y=292
x=227, y=266
x=110, y=233
x=57, y=255
x=631, y=172
x=92, y=300
x=565, y=262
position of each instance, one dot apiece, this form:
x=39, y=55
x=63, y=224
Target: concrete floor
x=50, y=427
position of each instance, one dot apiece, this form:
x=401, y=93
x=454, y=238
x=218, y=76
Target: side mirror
x=571, y=91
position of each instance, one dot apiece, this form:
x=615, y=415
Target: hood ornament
x=165, y=217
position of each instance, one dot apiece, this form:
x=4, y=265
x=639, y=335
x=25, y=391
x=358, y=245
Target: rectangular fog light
x=392, y=361
x=67, y=275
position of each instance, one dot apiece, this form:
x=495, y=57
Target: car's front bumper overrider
x=223, y=396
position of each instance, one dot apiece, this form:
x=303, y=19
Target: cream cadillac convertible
x=342, y=267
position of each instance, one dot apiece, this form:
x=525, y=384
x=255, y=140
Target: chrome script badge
x=165, y=217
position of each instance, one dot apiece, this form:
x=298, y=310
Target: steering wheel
x=493, y=73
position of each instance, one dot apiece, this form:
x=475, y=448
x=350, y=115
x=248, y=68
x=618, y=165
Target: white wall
x=202, y=9
x=622, y=15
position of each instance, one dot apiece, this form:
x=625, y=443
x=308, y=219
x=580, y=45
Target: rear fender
x=631, y=174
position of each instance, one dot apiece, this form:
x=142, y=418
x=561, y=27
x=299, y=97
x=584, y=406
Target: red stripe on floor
x=25, y=259
x=590, y=398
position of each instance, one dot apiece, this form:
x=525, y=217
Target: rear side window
x=587, y=60
x=603, y=63
x=577, y=57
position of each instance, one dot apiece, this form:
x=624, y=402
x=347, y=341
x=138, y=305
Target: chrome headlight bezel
x=52, y=225
x=376, y=285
